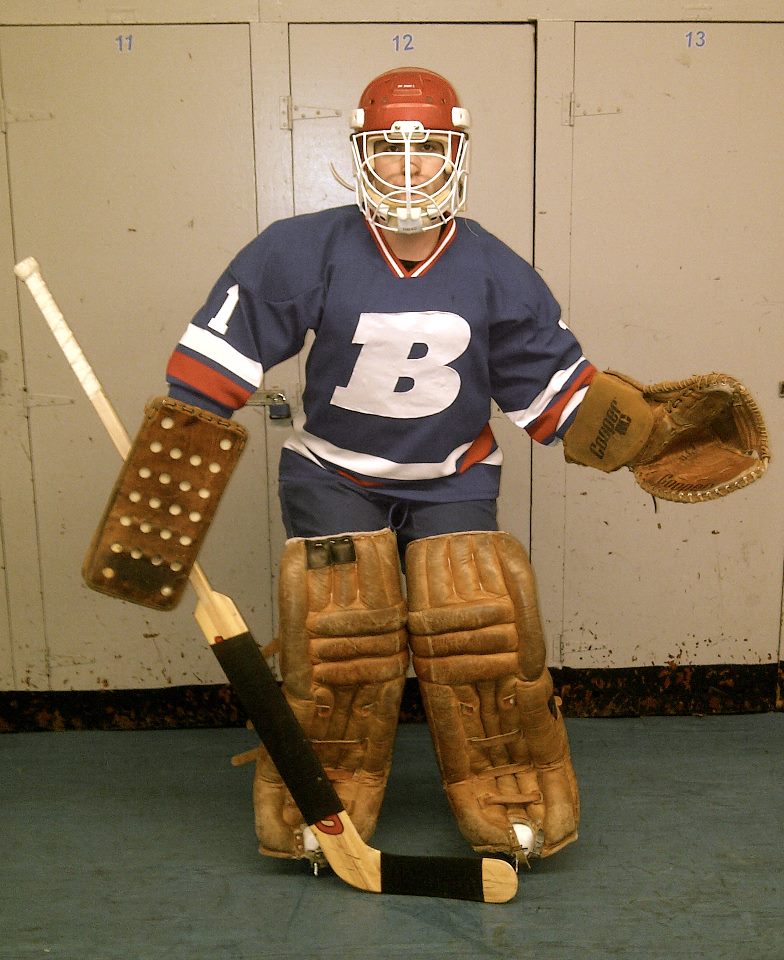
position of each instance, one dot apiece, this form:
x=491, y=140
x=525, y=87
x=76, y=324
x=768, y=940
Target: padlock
x=275, y=400
x=279, y=410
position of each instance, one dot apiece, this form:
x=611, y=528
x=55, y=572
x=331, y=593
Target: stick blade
x=485, y=880
x=350, y=857
x=499, y=880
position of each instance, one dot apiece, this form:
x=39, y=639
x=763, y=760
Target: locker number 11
x=124, y=44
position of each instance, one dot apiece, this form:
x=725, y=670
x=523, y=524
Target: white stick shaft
x=29, y=271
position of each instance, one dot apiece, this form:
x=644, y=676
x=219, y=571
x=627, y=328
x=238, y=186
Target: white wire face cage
x=410, y=207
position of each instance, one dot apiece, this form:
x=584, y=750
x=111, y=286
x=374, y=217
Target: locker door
x=330, y=66
x=22, y=647
x=677, y=233
x=132, y=171
x=6, y=650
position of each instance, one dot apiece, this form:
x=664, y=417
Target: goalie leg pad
x=163, y=503
x=344, y=657
x=479, y=653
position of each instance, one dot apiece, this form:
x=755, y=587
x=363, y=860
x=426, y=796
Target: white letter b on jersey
x=387, y=381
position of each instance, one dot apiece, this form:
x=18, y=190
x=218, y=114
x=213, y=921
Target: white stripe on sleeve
x=523, y=417
x=571, y=406
x=203, y=342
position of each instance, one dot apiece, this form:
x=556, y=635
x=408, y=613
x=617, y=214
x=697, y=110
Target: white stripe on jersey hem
x=307, y=445
x=205, y=343
x=522, y=418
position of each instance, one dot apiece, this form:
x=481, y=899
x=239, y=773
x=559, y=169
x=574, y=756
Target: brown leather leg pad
x=344, y=658
x=479, y=653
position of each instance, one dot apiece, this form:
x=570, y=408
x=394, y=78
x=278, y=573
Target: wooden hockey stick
x=484, y=879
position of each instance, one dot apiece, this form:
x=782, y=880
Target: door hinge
x=47, y=400
x=572, y=109
x=290, y=111
x=580, y=110
x=21, y=116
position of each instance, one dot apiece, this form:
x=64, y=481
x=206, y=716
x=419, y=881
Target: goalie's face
x=409, y=178
x=418, y=166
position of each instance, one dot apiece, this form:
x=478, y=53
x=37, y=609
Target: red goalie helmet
x=409, y=112
x=409, y=93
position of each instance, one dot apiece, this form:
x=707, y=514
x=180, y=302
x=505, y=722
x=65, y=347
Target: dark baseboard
x=671, y=690
x=675, y=690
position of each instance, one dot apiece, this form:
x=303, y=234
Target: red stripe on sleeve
x=207, y=381
x=544, y=427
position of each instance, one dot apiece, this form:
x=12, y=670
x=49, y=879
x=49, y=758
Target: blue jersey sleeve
x=538, y=371
x=255, y=316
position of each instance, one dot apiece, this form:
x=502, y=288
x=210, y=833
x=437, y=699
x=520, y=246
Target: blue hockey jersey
x=404, y=364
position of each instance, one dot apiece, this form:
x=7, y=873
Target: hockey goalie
x=420, y=319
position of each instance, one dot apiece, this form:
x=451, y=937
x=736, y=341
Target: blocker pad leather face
x=162, y=504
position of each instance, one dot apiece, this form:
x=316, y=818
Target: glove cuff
x=612, y=425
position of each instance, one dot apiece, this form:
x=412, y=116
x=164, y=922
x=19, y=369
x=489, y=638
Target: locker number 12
x=403, y=41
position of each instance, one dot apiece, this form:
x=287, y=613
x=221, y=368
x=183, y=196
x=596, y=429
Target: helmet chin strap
x=409, y=220
x=340, y=179
x=414, y=216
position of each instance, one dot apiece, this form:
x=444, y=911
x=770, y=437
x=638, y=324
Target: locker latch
x=275, y=400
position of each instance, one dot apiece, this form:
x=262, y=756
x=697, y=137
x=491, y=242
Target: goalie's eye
x=431, y=147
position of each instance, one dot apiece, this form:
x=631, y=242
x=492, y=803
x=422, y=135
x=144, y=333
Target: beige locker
x=677, y=233
x=330, y=66
x=6, y=649
x=22, y=644
x=131, y=163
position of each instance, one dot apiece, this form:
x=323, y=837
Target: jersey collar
x=446, y=238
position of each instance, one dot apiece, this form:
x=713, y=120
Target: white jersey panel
x=388, y=380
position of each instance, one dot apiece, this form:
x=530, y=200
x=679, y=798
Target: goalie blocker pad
x=163, y=503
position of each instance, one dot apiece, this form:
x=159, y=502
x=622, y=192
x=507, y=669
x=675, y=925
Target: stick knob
x=26, y=268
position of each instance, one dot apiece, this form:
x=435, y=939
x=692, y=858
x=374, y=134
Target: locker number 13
x=696, y=38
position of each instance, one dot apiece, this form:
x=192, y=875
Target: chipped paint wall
x=144, y=144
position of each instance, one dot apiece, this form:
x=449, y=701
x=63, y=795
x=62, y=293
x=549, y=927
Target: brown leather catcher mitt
x=343, y=659
x=498, y=732
x=686, y=441
x=163, y=503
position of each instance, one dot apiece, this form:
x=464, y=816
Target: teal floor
x=140, y=846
